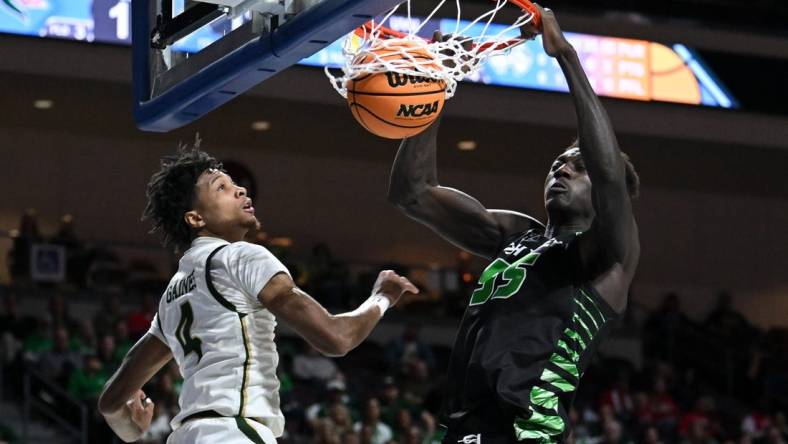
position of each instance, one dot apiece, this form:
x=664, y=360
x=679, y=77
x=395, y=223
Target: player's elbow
x=336, y=346
x=105, y=405
x=399, y=197
x=407, y=201
x=108, y=402
x=334, y=342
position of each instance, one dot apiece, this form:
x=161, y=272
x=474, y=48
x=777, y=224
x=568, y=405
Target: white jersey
x=220, y=334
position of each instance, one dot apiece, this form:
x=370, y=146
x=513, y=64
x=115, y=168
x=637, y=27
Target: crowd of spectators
x=718, y=381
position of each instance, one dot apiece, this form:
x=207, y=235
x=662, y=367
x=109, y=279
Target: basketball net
x=374, y=48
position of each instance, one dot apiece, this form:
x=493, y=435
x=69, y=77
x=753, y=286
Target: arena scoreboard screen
x=621, y=68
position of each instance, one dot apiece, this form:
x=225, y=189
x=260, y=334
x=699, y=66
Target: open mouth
x=248, y=207
x=558, y=187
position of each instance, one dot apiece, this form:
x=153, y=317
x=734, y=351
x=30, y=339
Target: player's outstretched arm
x=332, y=335
x=614, y=229
x=454, y=215
x=122, y=402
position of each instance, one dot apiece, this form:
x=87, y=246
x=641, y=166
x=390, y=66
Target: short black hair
x=171, y=193
x=632, y=177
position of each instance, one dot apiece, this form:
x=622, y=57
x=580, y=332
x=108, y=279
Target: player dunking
x=218, y=313
x=551, y=293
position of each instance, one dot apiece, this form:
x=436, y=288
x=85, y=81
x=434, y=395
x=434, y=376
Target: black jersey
x=524, y=341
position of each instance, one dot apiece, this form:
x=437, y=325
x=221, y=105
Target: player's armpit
x=513, y=222
x=459, y=218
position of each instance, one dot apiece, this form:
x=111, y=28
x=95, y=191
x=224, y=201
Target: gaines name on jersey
x=180, y=287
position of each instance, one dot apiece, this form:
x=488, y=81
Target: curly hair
x=171, y=193
x=632, y=177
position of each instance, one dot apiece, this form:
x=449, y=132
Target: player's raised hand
x=553, y=38
x=393, y=286
x=141, y=410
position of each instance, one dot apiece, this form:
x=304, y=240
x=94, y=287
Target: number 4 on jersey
x=184, y=334
x=500, y=280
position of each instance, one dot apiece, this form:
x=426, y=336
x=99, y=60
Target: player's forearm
x=415, y=167
x=355, y=326
x=598, y=144
x=331, y=335
x=120, y=422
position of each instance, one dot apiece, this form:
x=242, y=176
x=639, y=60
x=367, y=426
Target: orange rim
x=525, y=5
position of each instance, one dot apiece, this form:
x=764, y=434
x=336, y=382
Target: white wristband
x=382, y=302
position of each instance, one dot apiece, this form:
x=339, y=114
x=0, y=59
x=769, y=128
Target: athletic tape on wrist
x=382, y=302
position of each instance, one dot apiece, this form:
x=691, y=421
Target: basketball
x=395, y=105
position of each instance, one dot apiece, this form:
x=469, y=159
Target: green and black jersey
x=524, y=341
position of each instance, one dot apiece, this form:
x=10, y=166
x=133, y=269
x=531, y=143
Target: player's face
x=567, y=187
x=224, y=208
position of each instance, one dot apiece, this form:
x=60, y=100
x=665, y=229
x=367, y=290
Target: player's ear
x=194, y=219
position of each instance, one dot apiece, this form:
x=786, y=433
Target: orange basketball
x=394, y=105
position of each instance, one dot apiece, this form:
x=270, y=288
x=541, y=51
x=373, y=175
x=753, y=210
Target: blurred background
x=701, y=356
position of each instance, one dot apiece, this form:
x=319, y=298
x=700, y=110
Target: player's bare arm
x=122, y=402
x=454, y=215
x=332, y=335
x=614, y=234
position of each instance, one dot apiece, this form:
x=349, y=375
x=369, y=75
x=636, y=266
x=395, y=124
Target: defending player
x=218, y=314
x=551, y=293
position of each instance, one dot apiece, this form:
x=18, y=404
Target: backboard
x=190, y=57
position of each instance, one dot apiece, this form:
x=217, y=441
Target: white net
x=375, y=49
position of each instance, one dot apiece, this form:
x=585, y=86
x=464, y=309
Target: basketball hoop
x=375, y=48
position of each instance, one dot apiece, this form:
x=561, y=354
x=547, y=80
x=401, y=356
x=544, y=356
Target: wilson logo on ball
x=396, y=79
x=418, y=110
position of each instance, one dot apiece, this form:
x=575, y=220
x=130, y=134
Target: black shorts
x=480, y=431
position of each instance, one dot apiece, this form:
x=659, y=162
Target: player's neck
x=569, y=226
x=229, y=236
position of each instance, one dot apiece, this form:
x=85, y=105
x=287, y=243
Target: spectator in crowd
x=123, y=340
x=775, y=436
x=23, y=240
x=108, y=315
x=311, y=366
x=58, y=312
x=39, y=340
x=697, y=432
x=76, y=259
x=350, y=437
x=339, y=416
x=781, y=423
x=13, y=328
x=728, y=325
x=664, y=410
x=334, y=395
x=409, y=350
x=325, y=277
x=58, y=362
x=651, y=436
x=391, y=401
x=84, y=342
x=381, y=432
x=11, y=321
x=699, y=425
x=612, y=433
x=663, y=328
x=107, y=353
x=619, y=397
x=86, y=383
x=138, y=322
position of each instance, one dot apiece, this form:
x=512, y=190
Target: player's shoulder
x=244, y=251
